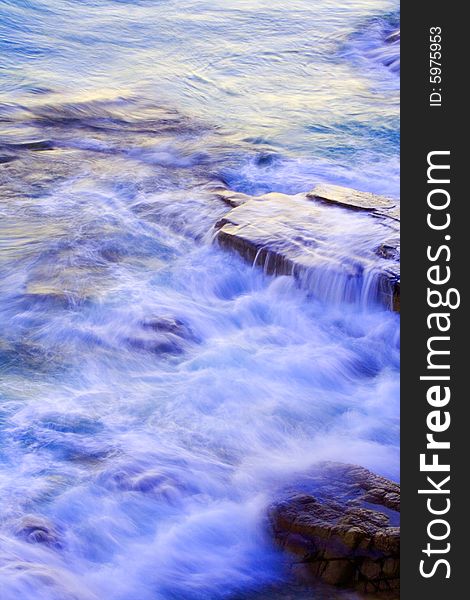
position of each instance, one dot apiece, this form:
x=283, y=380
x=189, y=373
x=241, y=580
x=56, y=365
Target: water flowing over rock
x=163, y=335
x=20, y=574
x=156, y=389
x=342, y=525
x=391, y=55
x=287, y=235
x=38, y=530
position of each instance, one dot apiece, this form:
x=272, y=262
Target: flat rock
x=355, y=200
x=232, y=198
x=294, y=235
x=342, y=525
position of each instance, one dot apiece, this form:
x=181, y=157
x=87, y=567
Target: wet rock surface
x=341, y=524
x=353, y=199
x=286, y=235
x=296, y=591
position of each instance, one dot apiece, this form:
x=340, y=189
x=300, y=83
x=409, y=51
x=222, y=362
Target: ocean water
x=156, y=392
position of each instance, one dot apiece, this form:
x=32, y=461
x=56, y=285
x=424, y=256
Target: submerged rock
x=393, y=37
x=38, y=530
x=151, y=482
x=342, y=526
x=291, y=235
x=19, y=576
x=169, y=325
x=162, y=335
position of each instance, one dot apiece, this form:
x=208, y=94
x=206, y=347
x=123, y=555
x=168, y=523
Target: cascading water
x=157, y=391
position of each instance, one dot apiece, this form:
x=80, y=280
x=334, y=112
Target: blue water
x=156, y=392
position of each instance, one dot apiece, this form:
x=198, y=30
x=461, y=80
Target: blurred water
x=155, y=391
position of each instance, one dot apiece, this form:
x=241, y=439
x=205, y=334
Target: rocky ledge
x=289, y=235
x=342, y=526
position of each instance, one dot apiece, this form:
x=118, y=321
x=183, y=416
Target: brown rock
x=353, y=199
x=289, y=235
x=231, y=198
x=343, y=527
